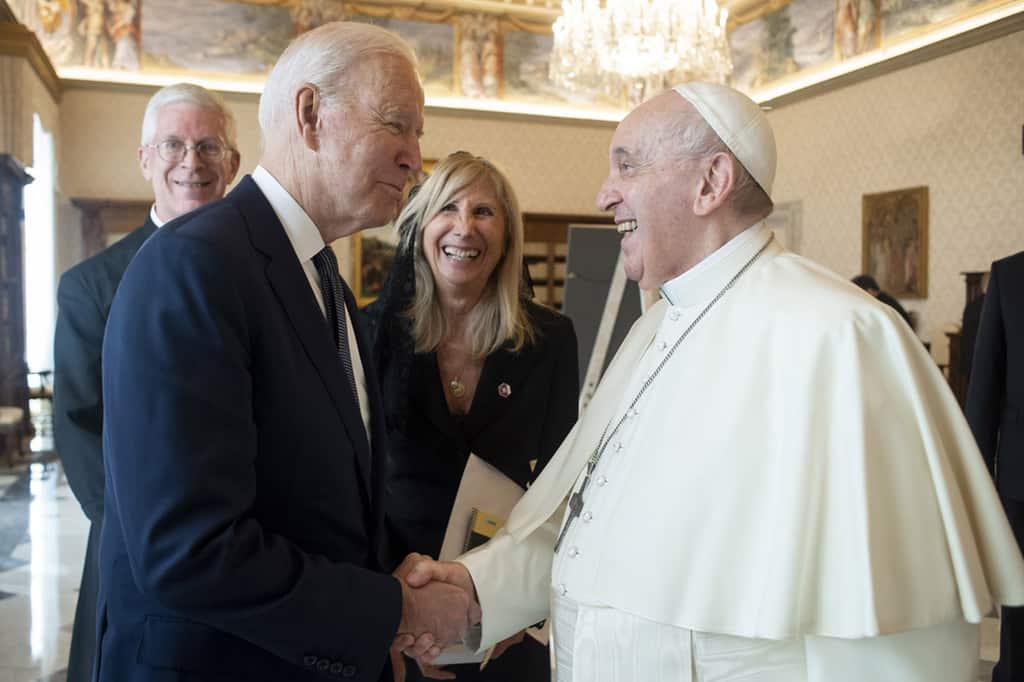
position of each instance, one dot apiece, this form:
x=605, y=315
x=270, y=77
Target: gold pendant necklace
x=457, y=388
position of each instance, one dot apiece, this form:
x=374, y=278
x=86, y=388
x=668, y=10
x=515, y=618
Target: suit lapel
x=289, y=283
x=502, y=377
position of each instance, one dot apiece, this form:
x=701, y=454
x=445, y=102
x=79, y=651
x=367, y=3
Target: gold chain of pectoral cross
x=576, y=499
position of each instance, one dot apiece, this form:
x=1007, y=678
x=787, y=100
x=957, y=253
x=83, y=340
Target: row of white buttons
x=574, y=551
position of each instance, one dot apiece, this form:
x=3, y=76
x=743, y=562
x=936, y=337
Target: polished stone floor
x=42, y=544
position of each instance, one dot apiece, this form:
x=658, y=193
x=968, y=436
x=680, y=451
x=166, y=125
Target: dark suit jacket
x=969, y=334
x=83, y=298
x=429, y=452
x=243, y=518
x=995, y=398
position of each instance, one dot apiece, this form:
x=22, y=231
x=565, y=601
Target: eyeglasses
x=175, y=151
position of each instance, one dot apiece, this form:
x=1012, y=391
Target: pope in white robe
x=784, y=489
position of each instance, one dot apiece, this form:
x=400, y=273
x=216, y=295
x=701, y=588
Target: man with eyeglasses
x=188, y=153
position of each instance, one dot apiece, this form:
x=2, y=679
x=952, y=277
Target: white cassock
x=796, y=497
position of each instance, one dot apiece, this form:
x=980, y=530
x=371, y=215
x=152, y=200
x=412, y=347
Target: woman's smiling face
x=464, y=242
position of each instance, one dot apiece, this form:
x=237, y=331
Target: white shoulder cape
x=809, y=473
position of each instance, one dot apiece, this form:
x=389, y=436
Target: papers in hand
x=483, y=502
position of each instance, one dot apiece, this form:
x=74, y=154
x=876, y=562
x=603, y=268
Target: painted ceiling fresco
x=499, y=56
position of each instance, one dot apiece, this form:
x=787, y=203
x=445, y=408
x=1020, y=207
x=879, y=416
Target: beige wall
x=953, y=124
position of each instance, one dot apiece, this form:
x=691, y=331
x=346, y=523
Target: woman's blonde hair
x=500, y=316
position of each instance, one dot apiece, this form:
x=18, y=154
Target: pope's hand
x=438, y=606
x=422, y=573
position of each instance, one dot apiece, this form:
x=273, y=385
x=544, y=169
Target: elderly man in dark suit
x=243, y=442
x=995, y=411
x=188, y=154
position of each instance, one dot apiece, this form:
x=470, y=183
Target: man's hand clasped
x=439, y=606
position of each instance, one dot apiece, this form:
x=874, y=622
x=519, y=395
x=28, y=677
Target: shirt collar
x=154, y=218
x=712, y=273
x=302, y=232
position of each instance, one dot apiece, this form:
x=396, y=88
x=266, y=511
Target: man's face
x=368, y=147
x=651, y=190
x=185, y=186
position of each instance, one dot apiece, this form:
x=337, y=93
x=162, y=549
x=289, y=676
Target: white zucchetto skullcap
x=740, y=123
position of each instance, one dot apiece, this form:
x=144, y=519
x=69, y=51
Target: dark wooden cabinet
x=105, y=220
x=13, y=371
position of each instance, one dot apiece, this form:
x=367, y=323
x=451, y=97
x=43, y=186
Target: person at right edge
x=773, y=481
x=995, y=411
x=468, y=363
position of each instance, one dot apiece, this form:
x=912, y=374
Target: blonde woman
x=467, y=364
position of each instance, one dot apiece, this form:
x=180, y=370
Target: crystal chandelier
x=638, y=47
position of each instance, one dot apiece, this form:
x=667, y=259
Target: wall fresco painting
x=902, y=16
x=102, y=34
x=217, y=36
x=434, y=45
x=780, y=43
x=525, y=68
x=857, y=27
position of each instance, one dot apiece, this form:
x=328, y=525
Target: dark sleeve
x=986, y=392
x=182, y=439
x=563, y=401
x=968, y=333
x=77, y=390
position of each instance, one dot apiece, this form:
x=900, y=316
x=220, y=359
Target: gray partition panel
x=592, y=255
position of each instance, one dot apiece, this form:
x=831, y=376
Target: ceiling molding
x=529, y=10
x=18, y=41
x=970, y=38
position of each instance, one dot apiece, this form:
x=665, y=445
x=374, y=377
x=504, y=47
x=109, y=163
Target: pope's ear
x=307, y=115
x=716, y=184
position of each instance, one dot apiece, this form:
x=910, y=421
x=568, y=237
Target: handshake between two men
x=439, y=607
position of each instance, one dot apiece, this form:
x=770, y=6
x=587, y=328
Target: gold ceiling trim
x=527, y=13
x=742, y=12
x=18, y=41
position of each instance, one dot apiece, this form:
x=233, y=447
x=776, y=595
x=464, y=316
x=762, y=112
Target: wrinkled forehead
x=652, y=127
x=186, y=119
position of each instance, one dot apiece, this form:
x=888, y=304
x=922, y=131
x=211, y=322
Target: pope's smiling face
x=650, y=188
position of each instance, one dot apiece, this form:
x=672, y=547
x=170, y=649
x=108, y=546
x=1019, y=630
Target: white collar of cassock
x=708, y=277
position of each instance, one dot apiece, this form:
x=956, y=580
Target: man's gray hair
x=187, y=93
x=696, y=139
x=322, y=58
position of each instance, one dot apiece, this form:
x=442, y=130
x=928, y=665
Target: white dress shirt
x=307, y=241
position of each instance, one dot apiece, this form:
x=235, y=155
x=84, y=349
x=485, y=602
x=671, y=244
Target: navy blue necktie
x=335, y=294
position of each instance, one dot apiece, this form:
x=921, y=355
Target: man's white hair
x=321, y=58
x=187, y=93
